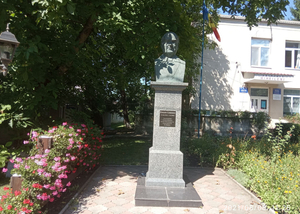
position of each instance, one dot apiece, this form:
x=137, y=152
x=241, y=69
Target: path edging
x=79, y=191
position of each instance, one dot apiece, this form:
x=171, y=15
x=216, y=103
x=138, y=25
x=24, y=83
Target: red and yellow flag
x=213, y=27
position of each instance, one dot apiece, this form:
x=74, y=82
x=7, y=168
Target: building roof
x=289, y=22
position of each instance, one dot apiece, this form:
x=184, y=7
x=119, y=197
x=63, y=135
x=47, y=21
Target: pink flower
x=34, y=134
x=70, y=135
x=38, y=156
x=51, y=199
x=4, y=170
x=73, y=158
x=71, y=141
x=39, y=197
x=70, y=127
x=83, y=125
x=83, y=134
x=17, y=166
x=58, y=196
x=52, y=188
x=64, y=189
x=69, y=147
x=47, y=175
x=68, y=154
x=66, y=161
x=54, y=193
x=65, y=123
x=27, y=167
x=11, y=160
x=57, y=158
x=61, y=176
x=46, y=186
x=44, y=196
x=19, y=160
x=78, y=130
x=25, y=141
x=47, y=151
x=68, y=184
x=40, y=171
x=50, y=131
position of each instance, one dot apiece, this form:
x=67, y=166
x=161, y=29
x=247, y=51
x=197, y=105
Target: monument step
x=167, y=196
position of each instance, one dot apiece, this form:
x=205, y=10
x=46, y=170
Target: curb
x=79, y=191
x=246, y=190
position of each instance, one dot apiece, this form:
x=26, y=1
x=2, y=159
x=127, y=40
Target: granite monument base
x=167, y=196
x=165, y=168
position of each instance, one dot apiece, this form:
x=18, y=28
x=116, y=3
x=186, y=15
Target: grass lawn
x=125, y=151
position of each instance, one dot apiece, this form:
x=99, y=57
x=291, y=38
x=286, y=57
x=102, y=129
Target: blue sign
x=243, y=90
x=276, y=91
x=276, y=94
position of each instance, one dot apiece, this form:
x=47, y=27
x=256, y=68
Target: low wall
x=216, y=125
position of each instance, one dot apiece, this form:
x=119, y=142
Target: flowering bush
x=43, y=175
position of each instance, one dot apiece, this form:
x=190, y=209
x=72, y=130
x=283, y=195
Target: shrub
x=286, y=127
x=73, y=146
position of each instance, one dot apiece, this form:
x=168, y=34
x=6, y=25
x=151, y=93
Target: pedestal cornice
x=169, y=86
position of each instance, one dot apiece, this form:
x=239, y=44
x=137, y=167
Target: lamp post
x=8, y=46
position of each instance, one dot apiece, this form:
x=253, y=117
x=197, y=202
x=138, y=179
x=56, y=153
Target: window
x=291, y=102
x=292, y=55
x=260, y=51
x=261, y=92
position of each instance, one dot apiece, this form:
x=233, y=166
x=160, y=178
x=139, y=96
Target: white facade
x=252, y=70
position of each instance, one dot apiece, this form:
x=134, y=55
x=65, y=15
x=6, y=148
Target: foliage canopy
x=93, y=53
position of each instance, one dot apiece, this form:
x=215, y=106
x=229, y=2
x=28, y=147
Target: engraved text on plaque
x=167, y=118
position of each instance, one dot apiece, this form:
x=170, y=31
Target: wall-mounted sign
x=276, y=94
x=243, y=90
x=273, y=77
x=167, y=118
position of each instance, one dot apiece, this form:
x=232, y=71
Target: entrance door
x=259, y=99
x=259, y=104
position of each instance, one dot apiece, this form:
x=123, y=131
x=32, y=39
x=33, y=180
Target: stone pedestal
x=165, y=158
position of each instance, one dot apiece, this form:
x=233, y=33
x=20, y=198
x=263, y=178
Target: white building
x=253, y=70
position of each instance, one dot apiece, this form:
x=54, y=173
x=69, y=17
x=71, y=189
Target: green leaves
x=71, y=8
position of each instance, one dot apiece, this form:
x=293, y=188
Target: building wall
x=228, y=67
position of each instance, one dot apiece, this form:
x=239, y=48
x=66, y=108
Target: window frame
x=260, y=51
x=292, y=50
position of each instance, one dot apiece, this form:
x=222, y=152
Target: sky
x=288, y=15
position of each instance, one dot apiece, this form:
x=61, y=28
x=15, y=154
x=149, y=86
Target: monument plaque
x=167, y=118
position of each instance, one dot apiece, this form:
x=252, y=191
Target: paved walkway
x=111, y=190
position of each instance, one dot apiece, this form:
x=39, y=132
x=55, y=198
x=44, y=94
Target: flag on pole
x=214, y=28
x=205, y=12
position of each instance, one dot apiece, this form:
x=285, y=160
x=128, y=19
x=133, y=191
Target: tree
x=81, y=51
x=296, y=10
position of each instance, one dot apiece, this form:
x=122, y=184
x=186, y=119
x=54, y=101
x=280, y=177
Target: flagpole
x=200, y=90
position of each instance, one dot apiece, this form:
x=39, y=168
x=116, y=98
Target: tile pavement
x=111, y=190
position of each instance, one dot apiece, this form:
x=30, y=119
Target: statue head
x=169, y=44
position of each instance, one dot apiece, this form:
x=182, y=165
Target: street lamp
x=8, y=45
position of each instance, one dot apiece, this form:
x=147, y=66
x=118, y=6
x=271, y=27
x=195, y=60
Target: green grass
x=239, y=176
x=119, y=126
x=125, y=151
x=4, y=182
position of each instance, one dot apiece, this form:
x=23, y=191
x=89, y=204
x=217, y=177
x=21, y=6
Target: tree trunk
x=82, y=37
x=125, y=109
